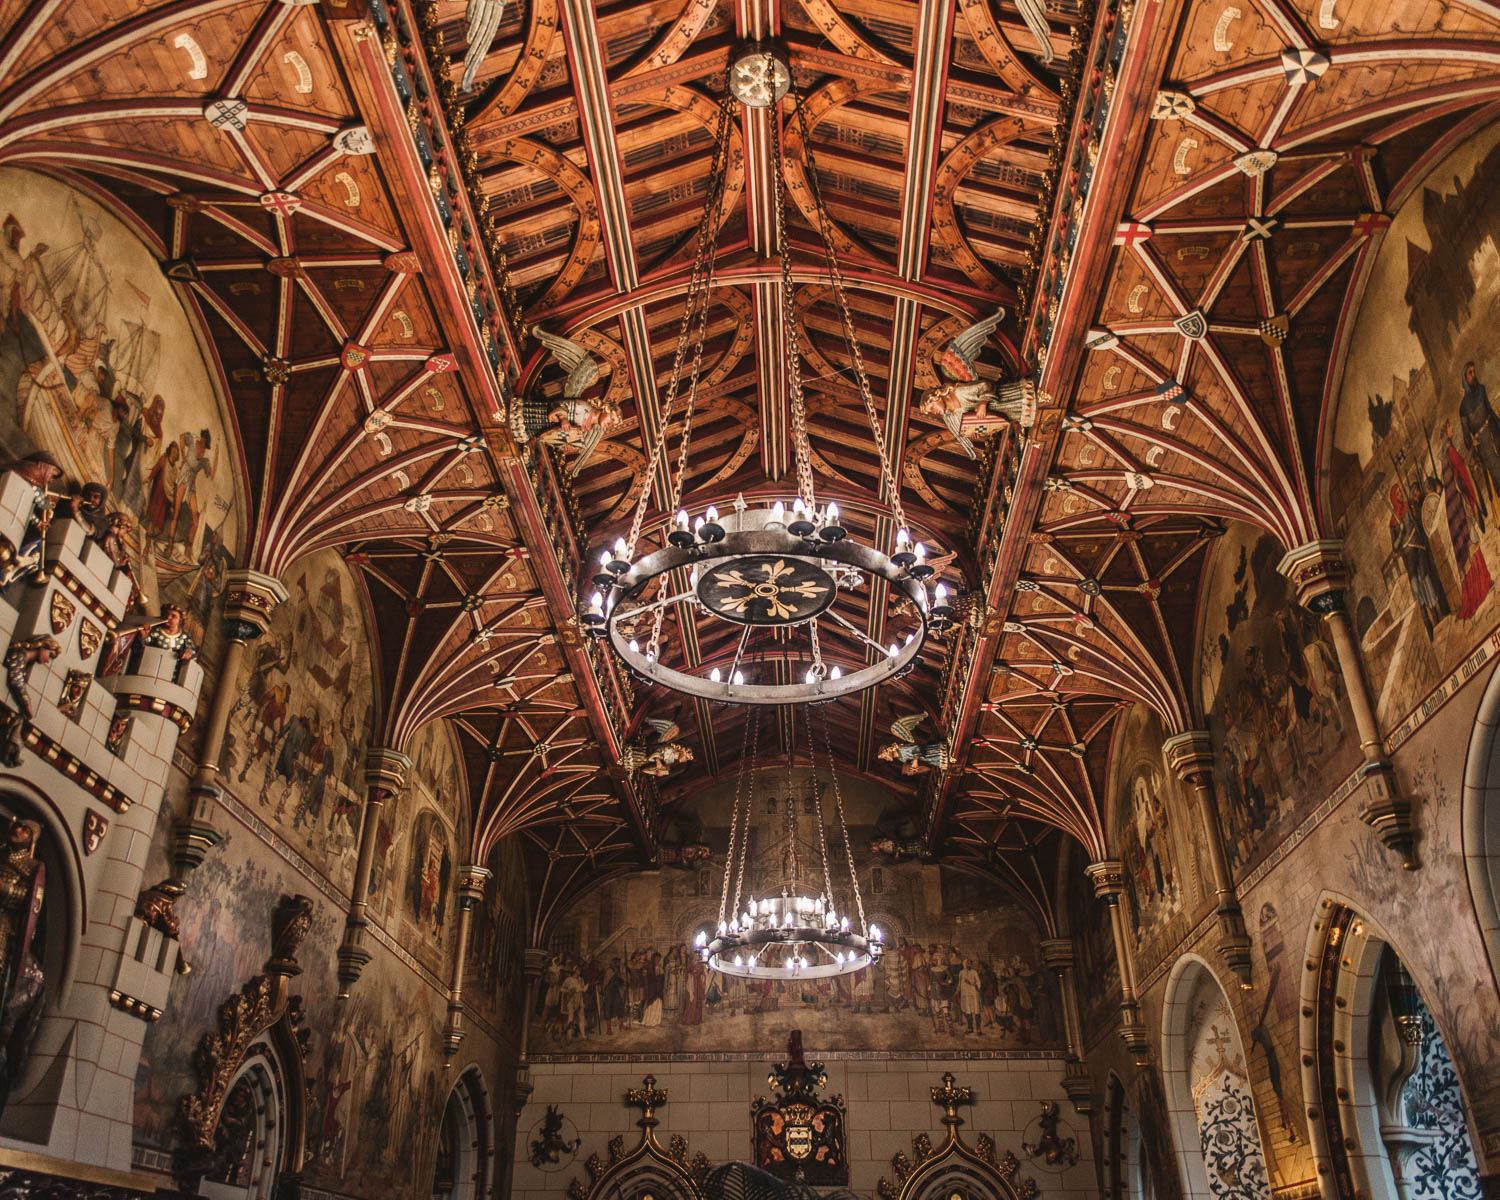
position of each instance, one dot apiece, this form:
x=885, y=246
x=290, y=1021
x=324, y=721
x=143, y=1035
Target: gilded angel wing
x=955, y=423
x=586, y=447
x=482, y=18
x=905, y=728
x=663, y=729
x=1034, y=13
x=581, y=366
x=960, y=355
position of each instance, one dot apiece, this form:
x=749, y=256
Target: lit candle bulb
x=596, y=605
x=910, y=637
x=903, y=539
x=833, y=512
x=839, y=958
x=698, y=525
x=738, y=961
x=799, y=509
x=844, y=924
x=739, y=678
x=621, y=549
x=920, y=550
x=804, y=962
x=875, y=934
x=893, y=651
x=714, y=675
x=778, y=511
x=682, y=518
x=940, y=594
x=835, y=674
x=812, y=676
x=711, y=513
x=752, y=962
x=635, y=646
x=723, y=928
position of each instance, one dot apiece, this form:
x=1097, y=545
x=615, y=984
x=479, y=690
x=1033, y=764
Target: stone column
x=1058, y=956
x=533, y=963
x=1108, y=877
x=1190, y=756
x=385, y=776
x=1318, y=573
x=249, y=599
x=471, y=881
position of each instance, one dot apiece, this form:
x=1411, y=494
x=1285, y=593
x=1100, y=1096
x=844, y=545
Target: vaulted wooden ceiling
x=370, y=305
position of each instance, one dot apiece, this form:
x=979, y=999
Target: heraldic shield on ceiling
x=799, y=1135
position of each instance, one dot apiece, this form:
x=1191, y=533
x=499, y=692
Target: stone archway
x=1210, y=1111
x=1385, y=1111
x=1481, y=820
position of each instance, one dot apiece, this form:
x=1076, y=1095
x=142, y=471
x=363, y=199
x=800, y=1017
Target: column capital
x=249, y=599
x=385, y=769
x=1189, y=754
x=471, y=881
x=1058, y=953
x=1318, y=574
x=1108, y=876
x=534, y=961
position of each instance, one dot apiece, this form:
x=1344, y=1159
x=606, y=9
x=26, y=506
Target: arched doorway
x=463, y=1168
x=249, y=1147
x=1386, y=1112
x=1481, y=819
x=1127, y=1167
x=1211, y=1112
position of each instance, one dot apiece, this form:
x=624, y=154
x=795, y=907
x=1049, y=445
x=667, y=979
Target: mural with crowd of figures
x=1283, y=733
x=100, y=368
x=962, y=967
x=1414, y=478
x=302, y=720
x=1166, y=876
x=374, y=1061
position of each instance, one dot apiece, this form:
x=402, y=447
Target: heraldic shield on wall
x=799, y=1135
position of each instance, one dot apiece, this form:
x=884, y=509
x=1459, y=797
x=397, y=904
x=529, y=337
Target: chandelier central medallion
x=773, y=568
x=766, y=590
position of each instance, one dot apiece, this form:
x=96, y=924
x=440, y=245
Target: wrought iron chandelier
x=795, y=930
x=778, y=566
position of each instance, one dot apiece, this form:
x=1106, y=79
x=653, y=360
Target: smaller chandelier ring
x=740, y=954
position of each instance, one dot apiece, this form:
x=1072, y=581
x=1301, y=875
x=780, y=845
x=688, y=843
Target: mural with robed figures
x=1166, y=877
x=100, y=367
x=1414, y=477
x=302, y=720
x=1282, y=730
x=962, y=969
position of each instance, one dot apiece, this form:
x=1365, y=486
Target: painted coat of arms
x=799, y=1135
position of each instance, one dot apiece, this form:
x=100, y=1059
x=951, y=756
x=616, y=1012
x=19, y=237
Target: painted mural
x=1220, y=1085
x=962, y=969
x=1414, y=481
x=298, y=732
x=415, y=864
x=375, y=1061
x=100, y=367
x=1282, y=730
x=1166, y=881
x=493, y=983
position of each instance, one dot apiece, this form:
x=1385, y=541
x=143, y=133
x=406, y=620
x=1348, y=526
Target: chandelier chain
x=838, y=799
x=801, y=450
x=739, y=883
x=705, y=254
x=836, y=278
x=734, y=820
x=817, y=792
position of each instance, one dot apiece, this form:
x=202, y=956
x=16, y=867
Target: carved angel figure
x=968, y=404
x=916, y=758
x=578, y=421
x=659, y=752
